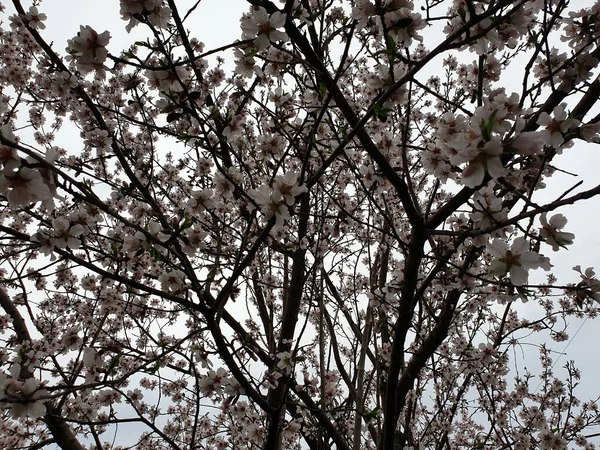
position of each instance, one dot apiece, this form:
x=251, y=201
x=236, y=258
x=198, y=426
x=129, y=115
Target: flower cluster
x=478, y=140
x=588, y=287
x=275, y=201
x=172, y=281
x=216, y=383
x=19, y=180
x=263, y=28
x=35, y=19
x=394, y=18
x=558, y=126
x=516, y=260
x=154, y=11
x=551, y=233
x=88, y=50
x=21, y=397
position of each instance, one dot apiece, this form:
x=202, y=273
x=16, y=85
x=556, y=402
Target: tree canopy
x=329, y=233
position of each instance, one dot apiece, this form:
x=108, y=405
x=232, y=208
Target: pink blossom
x=556, y=127
x=529, y=142
x=362, y=11
x=24, y=187
x=550, y=231
x=486, y=160
x=264, y=27
x=35, y=19
x=172, y=281
x=66, y=235
x=516, y=260
x=287, y=187
x=157, y=12
x=22, y=397
x=88, y=49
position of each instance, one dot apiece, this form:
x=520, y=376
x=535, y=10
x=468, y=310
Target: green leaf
x=154, y=253
x=381, y=113
x=187, y=223
x=373, y=414
x=488, y=127
x=212, y=273
x=391, y=44
x=114, y=362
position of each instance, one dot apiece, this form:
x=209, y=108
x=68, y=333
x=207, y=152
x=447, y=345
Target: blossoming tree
x=327, y=247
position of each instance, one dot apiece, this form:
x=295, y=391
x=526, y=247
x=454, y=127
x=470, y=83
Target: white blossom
x=556, y=127
x=551, y=234
x=264, y=27
x=287, y=186
x=172, y=281
x=516, y=260
x=156, y=11
x=24, y=187
x=36, y=18
x=22, y=398
x=66, y=235
x=213, y=382
x=88, y=49
x=275, y=202
x=286, y=362
x=485, y=160
x=589, y=283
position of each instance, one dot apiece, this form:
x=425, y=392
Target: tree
x=328, y=247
